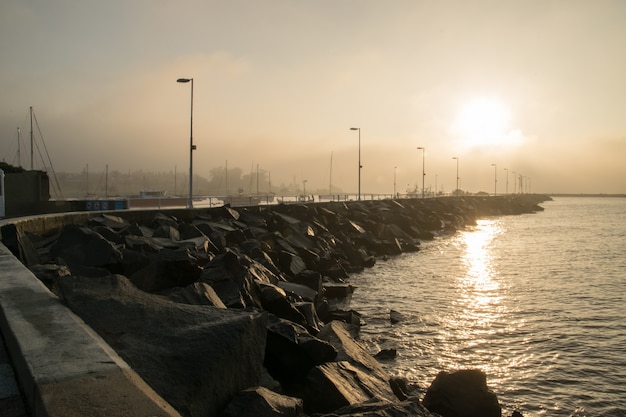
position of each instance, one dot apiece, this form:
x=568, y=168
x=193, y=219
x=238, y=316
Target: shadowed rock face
x=196, y=357
x=462, y=393
x=202, y=307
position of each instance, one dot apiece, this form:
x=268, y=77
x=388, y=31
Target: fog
x=279, y=85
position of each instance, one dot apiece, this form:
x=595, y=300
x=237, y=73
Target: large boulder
x=462, y=393
x=291, y=351
x=196, y=357
x=337, y=334
x=81, y=245
x=337, y=384
x=163, y=273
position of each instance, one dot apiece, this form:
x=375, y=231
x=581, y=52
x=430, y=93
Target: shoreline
x=281, y=261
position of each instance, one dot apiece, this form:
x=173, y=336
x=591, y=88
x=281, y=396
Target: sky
x=531, y=87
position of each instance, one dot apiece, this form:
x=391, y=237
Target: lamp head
x=355, y=128
x=183, y=80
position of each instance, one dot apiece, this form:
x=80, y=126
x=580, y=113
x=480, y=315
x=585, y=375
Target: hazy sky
x=534, y=86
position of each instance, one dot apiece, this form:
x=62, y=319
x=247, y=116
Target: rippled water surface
x=537, y=301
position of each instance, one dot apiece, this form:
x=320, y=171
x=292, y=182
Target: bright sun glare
x=484, y=121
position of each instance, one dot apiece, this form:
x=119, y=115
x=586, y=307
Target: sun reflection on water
x=478, y=310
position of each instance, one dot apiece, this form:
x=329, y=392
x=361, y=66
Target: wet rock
x=462, y=393
x=261, y=402
x=386, y=354
x=396, y=317
x=196, y=357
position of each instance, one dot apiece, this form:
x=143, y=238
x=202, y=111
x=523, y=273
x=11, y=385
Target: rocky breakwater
x=226, y=312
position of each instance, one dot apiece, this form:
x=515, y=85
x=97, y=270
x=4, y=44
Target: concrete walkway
x=62, y=367
x=11, y=400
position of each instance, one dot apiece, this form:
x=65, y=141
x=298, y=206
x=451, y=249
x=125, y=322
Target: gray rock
x=196, y=357
x=348, y=349
x=291, y=351
x=337, y=384
x=81, y=245
x=197, y=293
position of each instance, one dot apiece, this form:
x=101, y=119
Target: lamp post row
x=192, y=148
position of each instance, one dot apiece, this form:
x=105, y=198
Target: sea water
x=536, y=301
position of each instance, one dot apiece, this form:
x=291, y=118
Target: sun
x=483, y=121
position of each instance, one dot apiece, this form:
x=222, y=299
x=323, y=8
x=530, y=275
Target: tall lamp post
x=514, y=183
x=457, y=175
x=423, y=168
x=360, y=166
x=506, y=190
x=495, y=179
x=192, y=147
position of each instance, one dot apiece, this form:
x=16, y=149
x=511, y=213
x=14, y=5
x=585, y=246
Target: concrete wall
x=26, y=192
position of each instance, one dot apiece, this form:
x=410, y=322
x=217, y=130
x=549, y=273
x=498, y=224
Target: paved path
x=11, y=401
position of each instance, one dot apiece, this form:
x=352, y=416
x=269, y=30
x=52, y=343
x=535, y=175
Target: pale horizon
x=534, y=87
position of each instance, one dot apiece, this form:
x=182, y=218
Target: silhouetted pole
x=192, y=147
x=423, y=167
x=457, y=175
x=495, y=179
x=360, y=166
x=514, y=183
x=507, y=181
x=394, y=181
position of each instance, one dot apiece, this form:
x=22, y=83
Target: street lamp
x=495, y=179
x=192, y=147
x=514, y=183
x=304, y=187
x=423, y=171
x=507, y=181
x=360, y=166
x=457, y=175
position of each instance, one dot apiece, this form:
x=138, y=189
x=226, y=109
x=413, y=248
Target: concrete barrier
x=63, y=367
